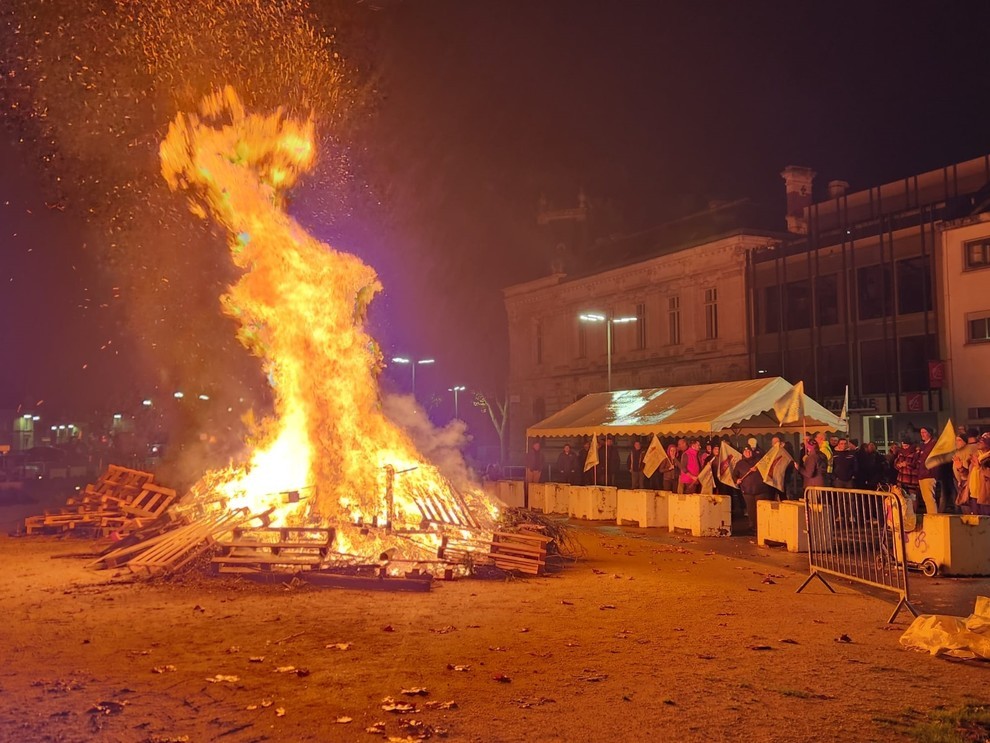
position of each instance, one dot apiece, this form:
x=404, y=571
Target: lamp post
x=413, y=363
x=609, y=322
x=455, y=390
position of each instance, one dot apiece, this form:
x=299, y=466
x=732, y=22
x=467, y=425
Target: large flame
x=329, y=455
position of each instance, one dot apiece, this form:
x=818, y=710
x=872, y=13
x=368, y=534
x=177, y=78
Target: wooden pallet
x=525, y=553
x=270, y=549
x=173, y=550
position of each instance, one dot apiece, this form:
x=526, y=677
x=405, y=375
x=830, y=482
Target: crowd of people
x=750, y=474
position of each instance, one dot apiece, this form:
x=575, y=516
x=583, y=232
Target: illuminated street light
x=178, y=395
x=609, y=322
x=412, y=365
x=204, y=397
x=146, y=403
x=455, y=390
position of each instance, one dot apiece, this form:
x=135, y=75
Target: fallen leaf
x=496, y=649
x=606, y=606
x=344, y=720
x=162, y=669
x=769, y=581
x=416, y=691
x=452, y=667
x=843, y=638
x=444, y=630
x=220, y=679
x=760, y=647
x=377, y=729
x=280, y=712
x=256, y=659
x=285, y=669
x=388, y=628
x=339, y=646
x=502, y=678
x=440, y=705
x=251, y=707
x=596, y=571
x=567, y=603
x=789, y=641
x=266, y=703
x=594, y=677
x=524, y=629
x=706, y=657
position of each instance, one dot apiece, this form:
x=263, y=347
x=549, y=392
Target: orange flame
x=301, y=307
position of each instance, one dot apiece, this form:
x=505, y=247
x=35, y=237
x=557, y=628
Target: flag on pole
x=728, y=458
x=944, y=449
x=790, y=407
x=707, y=480
x=773, y=466
x=844, y=413
x=592, y=460
x=655, y=458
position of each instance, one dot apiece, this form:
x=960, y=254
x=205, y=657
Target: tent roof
x=741, y=407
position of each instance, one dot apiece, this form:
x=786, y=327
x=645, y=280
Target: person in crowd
x=534, y=462
x=671, y=478
x=974, y=497
x=825, y=449
x=750, y=482
x=905, y=463
x=844, y=465
x=926, y=477
x=690, y=468
x=635, y=464
x=568, y=469
x=754, y=445
x=608, y=462
x=813, y=466
x=869, y=467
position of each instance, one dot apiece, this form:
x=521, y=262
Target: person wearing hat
x=926, y=477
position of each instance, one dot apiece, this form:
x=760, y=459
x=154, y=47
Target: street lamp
x=609, y=321
x=412, y=364
x=455, y=390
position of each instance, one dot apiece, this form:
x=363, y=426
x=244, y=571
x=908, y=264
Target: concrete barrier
x=644, y=508
x=512, y=493
x=702, y=515
x=592, y=502
x=954, y=544
x=549, y=497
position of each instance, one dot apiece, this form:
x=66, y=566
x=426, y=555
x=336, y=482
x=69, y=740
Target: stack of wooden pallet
x=520, y=552
x=122, y=500
x=274, y=550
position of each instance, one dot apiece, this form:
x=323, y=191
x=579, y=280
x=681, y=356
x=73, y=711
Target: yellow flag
x=592, y=460
x=790, y=407
x=773, y=466
x=707, y=480
x=655, y=458
x=728, y=458
x=944, y=449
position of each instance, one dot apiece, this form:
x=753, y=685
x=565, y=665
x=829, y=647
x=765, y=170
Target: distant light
x=230, y=410
x=425, y=361
x=146, y=403
x=401, y=360
x=178, y=395
x=36, y=417
x=624, y=319
x=61, y=428
x=204, y=397
x=117, y=416
x=761, y=371
x=459, y=388
x=592, y=317
x=26, y=416
x=54, y=428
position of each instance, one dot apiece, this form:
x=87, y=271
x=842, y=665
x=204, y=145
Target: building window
x=914, y=292
x=827, y=299
x=833, y=363
x=876, y=366
x=977, y=254
x=874, y=290
x=797, y=305
x=978, y=329
x=674, y=320
x=641, y=325
x=916, y=350
x=711, y=313
x=582, y=340
x=771, y=309
x=539, y=341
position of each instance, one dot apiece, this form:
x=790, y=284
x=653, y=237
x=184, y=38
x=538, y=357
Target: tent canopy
x=744, y=407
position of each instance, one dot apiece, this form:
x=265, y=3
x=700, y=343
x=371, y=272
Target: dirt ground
x=649, y=636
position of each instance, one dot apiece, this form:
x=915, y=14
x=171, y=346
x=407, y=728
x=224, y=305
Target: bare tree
x=498, y=410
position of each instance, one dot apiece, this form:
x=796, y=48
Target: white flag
x=844, y=414
x=773, y=466
x=592, y=460
x=790, y=407
x=707, y=480
x=655, y=457
x=728, y=458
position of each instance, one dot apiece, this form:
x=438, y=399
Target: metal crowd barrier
x=859, y=535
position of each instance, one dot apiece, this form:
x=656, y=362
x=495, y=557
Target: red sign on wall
x=936, y=374
x=914, y=402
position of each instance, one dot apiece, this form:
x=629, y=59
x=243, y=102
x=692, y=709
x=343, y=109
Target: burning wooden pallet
x=285, y=549
x=121, y=500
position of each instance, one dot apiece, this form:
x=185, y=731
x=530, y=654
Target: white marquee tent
x=743, y=407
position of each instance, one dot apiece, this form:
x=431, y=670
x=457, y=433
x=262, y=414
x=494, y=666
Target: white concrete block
x=957, y=544
x=512, y=492
x=551, y=497
x=645, y=508
x=592, y=502
x=702, y=515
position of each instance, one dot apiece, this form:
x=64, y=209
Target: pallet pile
x=269, y=549
x=520, y=552
x=122, y=500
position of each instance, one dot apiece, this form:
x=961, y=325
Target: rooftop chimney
x=837, y=189
x=797, y=182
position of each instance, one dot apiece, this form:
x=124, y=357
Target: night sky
x=481, y=107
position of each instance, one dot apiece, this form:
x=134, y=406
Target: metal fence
x=859, y=535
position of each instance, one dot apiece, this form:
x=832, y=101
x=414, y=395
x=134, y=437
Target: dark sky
x=486, y=105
